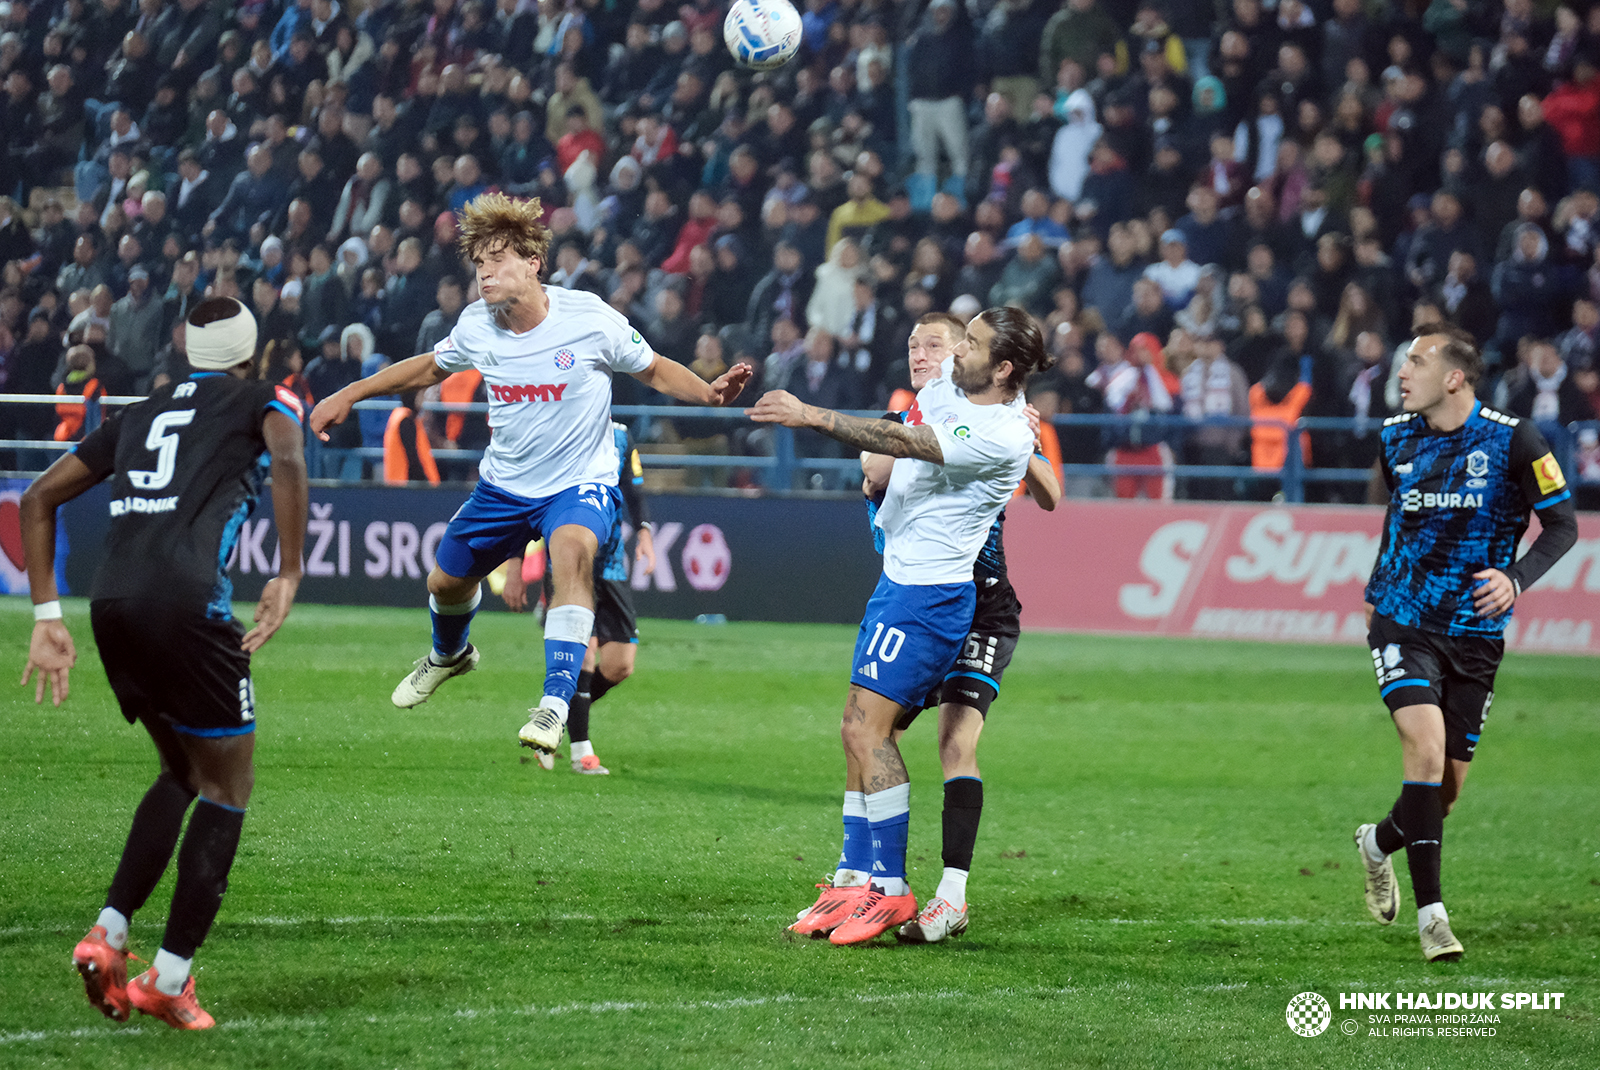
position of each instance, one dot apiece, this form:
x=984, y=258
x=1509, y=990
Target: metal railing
x=778, y=462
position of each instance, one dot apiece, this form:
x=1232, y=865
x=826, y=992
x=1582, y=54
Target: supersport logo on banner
x=1250, y=572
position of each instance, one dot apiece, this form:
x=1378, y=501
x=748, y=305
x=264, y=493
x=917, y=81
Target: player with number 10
x=959, y=458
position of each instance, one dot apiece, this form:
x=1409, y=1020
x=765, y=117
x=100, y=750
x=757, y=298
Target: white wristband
x=47, y=611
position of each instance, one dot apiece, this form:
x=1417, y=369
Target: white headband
x=222, y=344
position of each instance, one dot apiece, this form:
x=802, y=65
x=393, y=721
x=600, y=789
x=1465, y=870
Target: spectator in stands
x=136, y=327
x=1133, y=383
x=1174, y=273
x=1529, y=290
x=941, y=80
x=1214, y=387
x=1028, y=278
x=1549, y=393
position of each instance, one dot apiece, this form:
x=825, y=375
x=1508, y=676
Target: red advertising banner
x=1282, y=573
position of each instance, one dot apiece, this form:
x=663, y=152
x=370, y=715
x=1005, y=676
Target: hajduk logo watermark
x=565, y=359
x=1308, y=1014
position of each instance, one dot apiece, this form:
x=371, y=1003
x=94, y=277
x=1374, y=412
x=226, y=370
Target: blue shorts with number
x=495, y=524
x=910, y=637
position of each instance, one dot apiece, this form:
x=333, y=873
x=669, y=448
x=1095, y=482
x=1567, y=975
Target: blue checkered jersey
x=1459, y=504
x=991, y=560
x=611, y=563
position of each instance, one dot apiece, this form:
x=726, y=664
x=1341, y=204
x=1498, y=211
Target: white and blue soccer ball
x=762, y=34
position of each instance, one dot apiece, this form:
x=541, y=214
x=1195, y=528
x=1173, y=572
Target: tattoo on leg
x=889, y=769
x=853, y=713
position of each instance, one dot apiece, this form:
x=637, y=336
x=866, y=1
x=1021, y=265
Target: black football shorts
x=974, y=680
x=174, y=663
x=1453, y=672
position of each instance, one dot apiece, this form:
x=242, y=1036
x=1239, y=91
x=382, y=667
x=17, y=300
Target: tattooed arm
x=873, y=435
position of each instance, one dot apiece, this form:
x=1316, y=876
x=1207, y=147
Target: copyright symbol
x=1348, y=1027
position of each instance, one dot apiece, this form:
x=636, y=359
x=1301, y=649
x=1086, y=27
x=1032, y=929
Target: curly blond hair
x=492, y=220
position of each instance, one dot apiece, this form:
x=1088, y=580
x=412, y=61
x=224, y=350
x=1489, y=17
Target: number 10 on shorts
x=893, y=639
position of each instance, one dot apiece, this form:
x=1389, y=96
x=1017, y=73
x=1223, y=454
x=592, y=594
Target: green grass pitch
x=1165, y=861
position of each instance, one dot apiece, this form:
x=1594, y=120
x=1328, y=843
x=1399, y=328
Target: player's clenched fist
x=778, y=407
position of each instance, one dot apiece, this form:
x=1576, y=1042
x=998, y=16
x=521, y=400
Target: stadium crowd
x=1226, y=210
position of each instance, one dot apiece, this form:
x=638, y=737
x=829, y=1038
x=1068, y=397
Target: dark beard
x=969, y=380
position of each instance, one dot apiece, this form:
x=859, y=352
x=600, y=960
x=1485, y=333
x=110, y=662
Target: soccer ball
x=762, y=34
x=706, y=558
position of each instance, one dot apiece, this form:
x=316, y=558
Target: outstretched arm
x=873, y=435
x=413, y=373
x=50, y=650
x=675, y=380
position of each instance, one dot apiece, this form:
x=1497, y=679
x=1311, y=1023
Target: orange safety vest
x=1269, y=445
x=396, y=468
x=1050, y=448
x=70, y=429
x=461, y=388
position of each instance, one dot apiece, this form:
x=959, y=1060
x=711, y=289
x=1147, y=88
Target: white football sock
x=550, y=702
x=892, y=885
x=171, y=972
x=1369, y=845
x=582, y=749
x=1425, y=915
x=116, y=926
x=953, y=887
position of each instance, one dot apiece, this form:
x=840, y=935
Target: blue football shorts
x=494, y=524
x=910, y=637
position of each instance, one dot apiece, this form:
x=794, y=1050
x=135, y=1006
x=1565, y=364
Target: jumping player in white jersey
x=965, y=454
x=550, y=470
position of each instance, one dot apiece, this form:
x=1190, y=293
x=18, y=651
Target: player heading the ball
x=550, y=469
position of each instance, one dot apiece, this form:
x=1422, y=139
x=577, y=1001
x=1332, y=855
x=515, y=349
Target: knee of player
x=856, y=737
x=233, y=791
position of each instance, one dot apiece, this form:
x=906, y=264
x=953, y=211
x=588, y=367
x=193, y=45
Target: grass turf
x=1164, y=862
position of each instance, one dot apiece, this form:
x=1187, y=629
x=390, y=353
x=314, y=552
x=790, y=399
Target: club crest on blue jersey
x=565, y=359
x=1477, y=463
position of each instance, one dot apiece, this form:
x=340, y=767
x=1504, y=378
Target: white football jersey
x=549, y=390
x=936, y=517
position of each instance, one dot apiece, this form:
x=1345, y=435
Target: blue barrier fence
x=777, y=463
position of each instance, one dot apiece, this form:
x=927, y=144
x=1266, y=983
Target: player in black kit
x=973, y=683
x=186, y=467
x=1462, y=479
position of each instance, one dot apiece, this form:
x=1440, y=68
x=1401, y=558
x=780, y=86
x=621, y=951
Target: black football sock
x=963, y=807
x=156, y=825
x=203, y=864
x=1420, y=814
x=600, y=685
x=578, y=709
x=1387, y=834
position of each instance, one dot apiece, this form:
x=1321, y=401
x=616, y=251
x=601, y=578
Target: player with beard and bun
x=962, y=454
x=1462, y=479
x=550, y=470
x=973, y=682
x=186, y=466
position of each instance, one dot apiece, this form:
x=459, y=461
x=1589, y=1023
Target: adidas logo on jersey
x=869, y=670
x=527, y=392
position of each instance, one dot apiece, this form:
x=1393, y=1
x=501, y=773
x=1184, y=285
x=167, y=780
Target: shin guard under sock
x=156, y=826
x=203, y=864
x=963, y=808
x=1420, y=815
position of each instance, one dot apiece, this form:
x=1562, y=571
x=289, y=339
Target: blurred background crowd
x=1216, y=210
